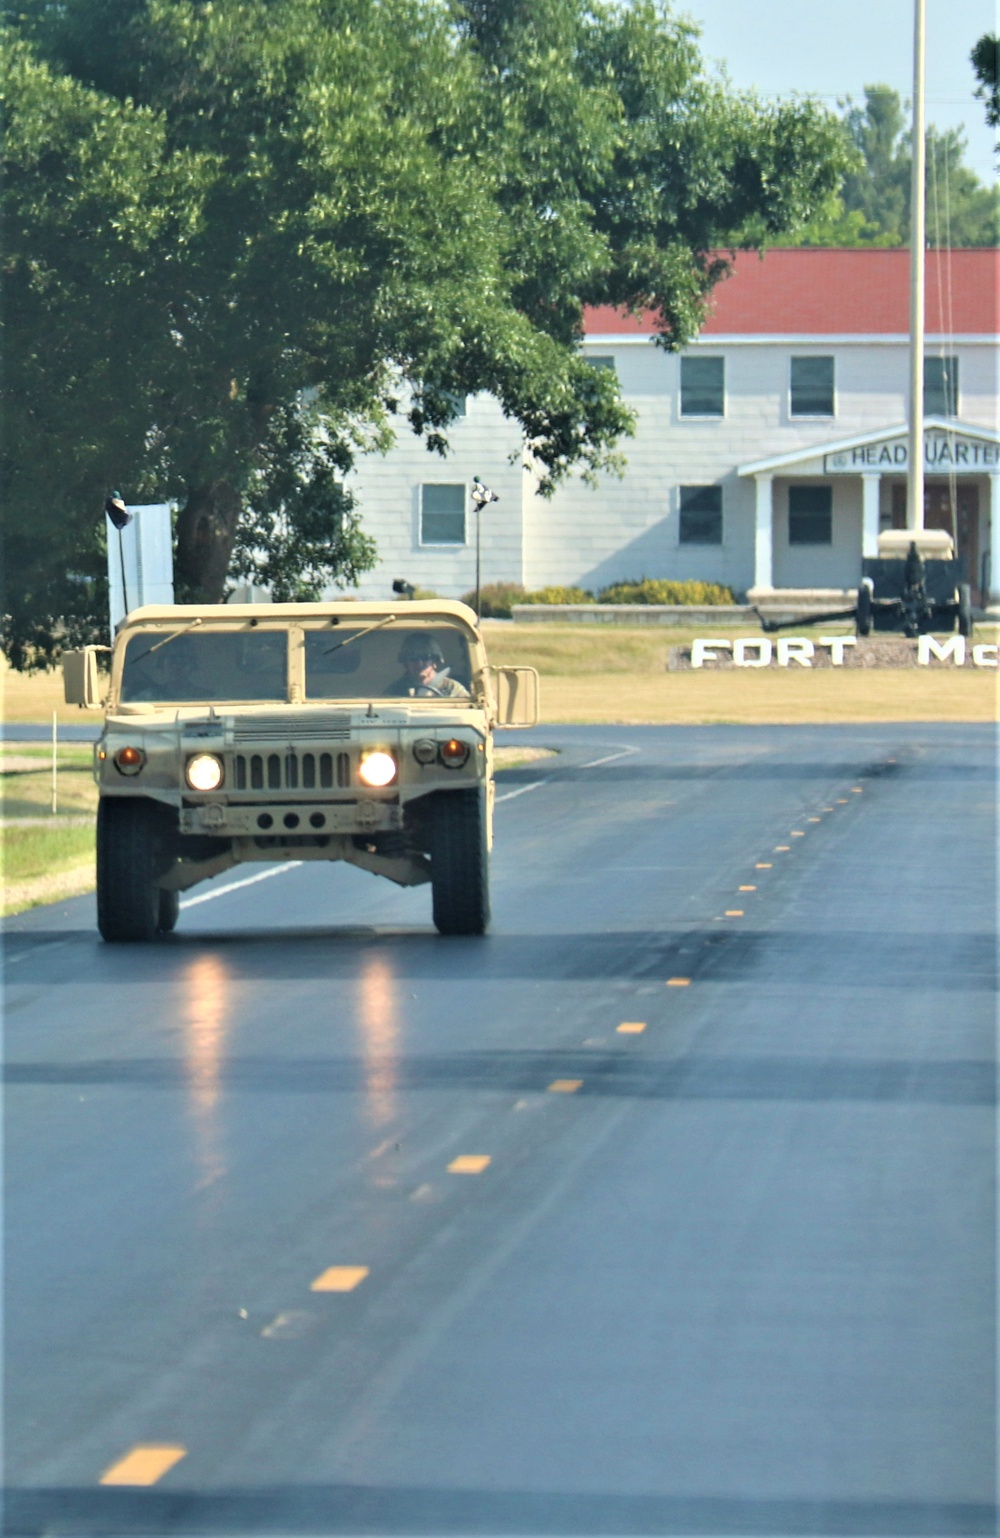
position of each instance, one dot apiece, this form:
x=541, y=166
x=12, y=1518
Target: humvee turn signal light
x=377, y=768
x=204, y=772
x=129, y=760
x=454, y=753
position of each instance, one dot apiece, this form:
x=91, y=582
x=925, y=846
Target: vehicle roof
x=415, y=609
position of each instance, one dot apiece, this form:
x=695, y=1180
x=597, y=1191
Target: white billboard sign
x=140, y=561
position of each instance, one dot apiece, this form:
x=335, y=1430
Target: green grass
x=32, y=852
x=26, y=780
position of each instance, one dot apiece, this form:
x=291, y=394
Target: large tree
x=873, y=204
x=985, y=59
x=335, y=205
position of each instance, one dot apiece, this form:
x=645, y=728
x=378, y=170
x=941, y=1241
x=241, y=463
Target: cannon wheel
x=965, y=609
x=460, y=870
x=864, y=610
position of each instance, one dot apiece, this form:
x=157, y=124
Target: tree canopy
x=872, y=206
x=240, y=233
x=985, y=59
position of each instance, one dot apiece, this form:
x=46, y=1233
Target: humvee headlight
x=377, y=768
x=129, y=760
x=454, y=753
x=204, y=772
x=425, y=751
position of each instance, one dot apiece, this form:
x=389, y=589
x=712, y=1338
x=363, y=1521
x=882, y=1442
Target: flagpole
x=915, y=456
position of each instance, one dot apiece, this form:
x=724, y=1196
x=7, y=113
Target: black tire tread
x=460, y=863
x=128, y=839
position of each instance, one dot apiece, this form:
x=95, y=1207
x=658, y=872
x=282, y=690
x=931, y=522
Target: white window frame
x=701, y=416
x=811, y=416
x=442, y=544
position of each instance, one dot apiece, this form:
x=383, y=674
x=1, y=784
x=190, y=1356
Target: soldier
x=426, y=676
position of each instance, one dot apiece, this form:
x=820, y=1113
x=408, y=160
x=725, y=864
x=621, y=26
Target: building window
x=442, y=514
x=812, y=387
x=703, y=387
x=701, y=515
x=603, y=360
x=941, y=387
x=810, y=515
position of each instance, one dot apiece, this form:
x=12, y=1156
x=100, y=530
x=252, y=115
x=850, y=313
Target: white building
x=767, y=455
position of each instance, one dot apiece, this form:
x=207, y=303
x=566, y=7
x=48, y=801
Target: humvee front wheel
x=460, y=878
x=129, y=860
x=169, y=911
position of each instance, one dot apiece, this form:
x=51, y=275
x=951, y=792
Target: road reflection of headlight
x=204, y=772
x=377, y=768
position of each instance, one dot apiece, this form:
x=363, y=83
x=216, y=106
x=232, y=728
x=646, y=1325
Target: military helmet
x=421, y=645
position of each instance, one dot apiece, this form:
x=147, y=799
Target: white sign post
x=140, y=561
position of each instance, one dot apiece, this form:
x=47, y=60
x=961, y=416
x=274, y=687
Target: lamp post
x=482, y=497
x=120, y=518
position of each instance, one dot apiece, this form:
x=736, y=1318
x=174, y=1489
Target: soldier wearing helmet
x=425, y=676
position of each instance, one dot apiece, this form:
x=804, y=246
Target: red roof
x=813, y=291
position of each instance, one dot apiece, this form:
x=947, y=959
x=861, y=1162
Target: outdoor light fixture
x=117, y=511
x=377, y=768
x=204, y=771
x=454, y=753
x=129, y=760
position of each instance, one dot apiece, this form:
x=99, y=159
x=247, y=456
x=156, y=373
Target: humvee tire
x=169, y=912
x=965, y=609
x=128, y=862
x=460, y=873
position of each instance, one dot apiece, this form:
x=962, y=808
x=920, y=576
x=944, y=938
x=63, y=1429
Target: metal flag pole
x=915, y=454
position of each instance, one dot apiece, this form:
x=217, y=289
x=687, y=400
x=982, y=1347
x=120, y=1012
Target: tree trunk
x=206, y=529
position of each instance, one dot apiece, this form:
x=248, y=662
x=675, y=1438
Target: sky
x=833, y=50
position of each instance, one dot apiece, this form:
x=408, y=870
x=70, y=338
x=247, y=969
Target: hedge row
x=497, y=599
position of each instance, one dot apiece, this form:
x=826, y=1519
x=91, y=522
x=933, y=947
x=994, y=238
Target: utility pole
x=915, y=467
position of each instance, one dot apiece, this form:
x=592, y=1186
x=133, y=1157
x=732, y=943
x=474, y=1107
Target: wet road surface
x=667, y=1207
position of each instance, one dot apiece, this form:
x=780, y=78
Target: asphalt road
x=730, y=1273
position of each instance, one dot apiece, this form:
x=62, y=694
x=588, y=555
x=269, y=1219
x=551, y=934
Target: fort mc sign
x=800, y=651
x=946, y=453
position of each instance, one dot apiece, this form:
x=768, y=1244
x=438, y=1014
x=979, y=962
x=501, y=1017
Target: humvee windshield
x=386, y=663
x=342, y=661
x=206, y=665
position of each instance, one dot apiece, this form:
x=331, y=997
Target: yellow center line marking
x=782, y=848
x=632, y=1027
x=469, y=1164
x=564, y=1086
x=815, y=819
x=856, y=790
x=763, y=865
x=144, y=1465
x=841, y=800
x=734, y=913
x=748, y=889
x=678, y=982
x=796, y=833
x=339, y=1279
x=827, y=808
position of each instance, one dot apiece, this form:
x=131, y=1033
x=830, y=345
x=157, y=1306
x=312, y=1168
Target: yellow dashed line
x=814, y=819
x=631, y=1027
x=469, y=1164
x=678, y=982
x=748, y=889
x=339, y=1279
x=796, y=833
x=763, y=865
x=734, y=913
x=565, y=1086
x=144, y=1465
x=841, y=800
x=856, y=790
x=827, y=808
x=782, y=848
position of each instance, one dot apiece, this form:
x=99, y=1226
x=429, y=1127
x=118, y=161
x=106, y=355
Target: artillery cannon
x=913, y=586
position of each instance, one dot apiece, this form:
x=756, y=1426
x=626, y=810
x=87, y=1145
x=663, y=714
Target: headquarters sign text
x=950, y=453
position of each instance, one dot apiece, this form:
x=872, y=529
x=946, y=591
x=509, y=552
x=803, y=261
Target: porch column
x=764, y=534
x=993, y=575
x=869, y=515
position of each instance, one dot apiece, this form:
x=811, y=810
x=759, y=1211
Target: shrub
x=559, y=595
x=661, y=590
x=495, y=599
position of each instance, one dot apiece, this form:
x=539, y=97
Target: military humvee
x=305, y=731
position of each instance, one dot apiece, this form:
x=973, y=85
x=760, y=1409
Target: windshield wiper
x=359, y=633
x=167, y=639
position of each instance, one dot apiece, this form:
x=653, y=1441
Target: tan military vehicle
x=306, y=731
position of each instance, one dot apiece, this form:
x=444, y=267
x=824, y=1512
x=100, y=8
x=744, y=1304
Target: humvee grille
x=335, y=727
x=291, y=771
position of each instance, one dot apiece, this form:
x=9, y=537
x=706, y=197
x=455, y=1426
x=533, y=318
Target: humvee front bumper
x=366, y=816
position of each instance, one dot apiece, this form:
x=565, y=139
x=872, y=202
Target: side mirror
x=517, y=696
x=81, y=682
